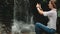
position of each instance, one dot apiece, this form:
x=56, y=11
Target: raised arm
x=38, y=6
x=49, y=13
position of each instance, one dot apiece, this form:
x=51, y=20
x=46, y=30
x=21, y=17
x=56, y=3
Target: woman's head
x=51, y=4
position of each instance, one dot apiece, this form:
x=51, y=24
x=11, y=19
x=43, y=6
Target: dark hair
x=54, y=4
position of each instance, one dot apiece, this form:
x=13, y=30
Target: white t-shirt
x=52, y=15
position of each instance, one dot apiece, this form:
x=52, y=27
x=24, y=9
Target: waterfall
x=23, y=19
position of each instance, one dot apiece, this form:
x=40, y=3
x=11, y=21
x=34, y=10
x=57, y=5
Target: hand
x=38, y=6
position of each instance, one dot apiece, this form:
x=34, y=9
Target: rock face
x=6, y=13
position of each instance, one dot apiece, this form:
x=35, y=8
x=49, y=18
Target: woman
x=52, y=15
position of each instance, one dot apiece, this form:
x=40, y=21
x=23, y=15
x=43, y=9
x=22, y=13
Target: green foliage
x=44, y=0
x=58, y=12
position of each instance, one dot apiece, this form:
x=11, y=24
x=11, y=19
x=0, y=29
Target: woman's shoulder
x=54, y=9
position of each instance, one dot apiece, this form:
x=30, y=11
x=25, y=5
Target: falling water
x=22, y=17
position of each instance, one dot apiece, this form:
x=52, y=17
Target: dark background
x=6, y=13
